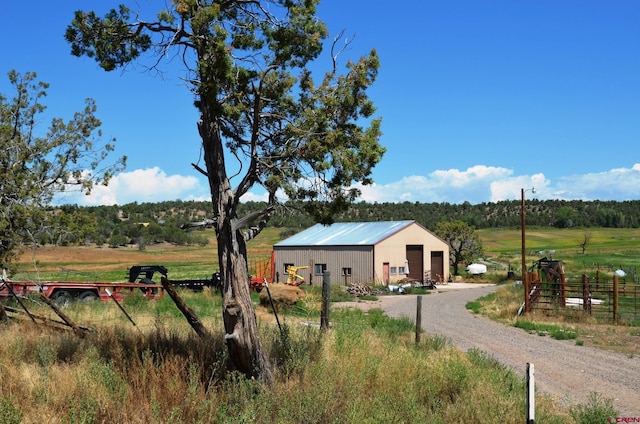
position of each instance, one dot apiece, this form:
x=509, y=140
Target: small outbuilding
x=364, y=253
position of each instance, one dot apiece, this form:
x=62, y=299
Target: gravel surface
x=563, y=370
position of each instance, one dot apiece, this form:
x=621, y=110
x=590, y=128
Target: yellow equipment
x=294, y=279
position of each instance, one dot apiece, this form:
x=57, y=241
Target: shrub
x=597, y=410
x=9, y=414
x=474, y=306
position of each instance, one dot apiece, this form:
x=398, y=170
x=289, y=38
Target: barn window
x=394, y=270
x=346, y=271
x=319, y=269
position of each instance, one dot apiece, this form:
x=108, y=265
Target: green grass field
x=607, y=246
x=618, y=247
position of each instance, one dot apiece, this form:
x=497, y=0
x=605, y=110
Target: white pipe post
x=531, y=395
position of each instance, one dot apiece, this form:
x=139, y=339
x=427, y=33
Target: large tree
x=36, y=162
x=464, y=243
x=248, y=64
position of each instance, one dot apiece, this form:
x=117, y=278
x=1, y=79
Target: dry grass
x=161, y=373
x=111, y=264
x=158, y=372
x=504, y=304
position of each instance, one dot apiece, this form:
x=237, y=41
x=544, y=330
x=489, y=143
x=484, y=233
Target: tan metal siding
x=367, y=263
x=393, y=250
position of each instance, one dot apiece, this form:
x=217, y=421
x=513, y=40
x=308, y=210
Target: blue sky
x=478, y=98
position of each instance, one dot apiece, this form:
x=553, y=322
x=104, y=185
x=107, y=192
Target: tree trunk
x=239, y=315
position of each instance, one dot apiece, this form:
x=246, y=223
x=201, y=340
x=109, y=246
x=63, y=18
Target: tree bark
x=79, y=331
x=189, y=314
x=239, y=316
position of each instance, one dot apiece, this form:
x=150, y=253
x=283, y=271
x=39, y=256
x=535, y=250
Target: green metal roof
x=345, y=234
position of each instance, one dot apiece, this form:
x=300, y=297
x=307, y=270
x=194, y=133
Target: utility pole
x=525, y=281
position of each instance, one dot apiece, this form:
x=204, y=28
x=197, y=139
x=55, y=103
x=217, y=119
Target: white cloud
x=453, y=185
x=141, y=185
x=256, y=197
x=510, y=188
x=472, y=176
x=482, y=183
x=476, y=184
x=617, y=184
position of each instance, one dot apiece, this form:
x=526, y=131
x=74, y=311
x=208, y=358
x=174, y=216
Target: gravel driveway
x=563, y=370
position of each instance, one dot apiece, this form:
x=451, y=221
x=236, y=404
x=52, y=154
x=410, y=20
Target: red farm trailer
x=63, y=292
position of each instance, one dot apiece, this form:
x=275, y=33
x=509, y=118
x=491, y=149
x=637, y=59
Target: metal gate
x=607, y=300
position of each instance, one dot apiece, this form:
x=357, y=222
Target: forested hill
x=152, y=222
x=548, y=213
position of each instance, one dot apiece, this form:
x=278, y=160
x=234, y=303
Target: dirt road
x=562, y=369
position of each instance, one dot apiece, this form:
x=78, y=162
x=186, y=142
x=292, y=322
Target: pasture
x=93, y=263
x=616, y=247
x=158, y=371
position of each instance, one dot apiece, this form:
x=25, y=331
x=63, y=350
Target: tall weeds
x=366, y=369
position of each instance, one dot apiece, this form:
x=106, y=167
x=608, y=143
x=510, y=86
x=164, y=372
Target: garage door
x=416, y=264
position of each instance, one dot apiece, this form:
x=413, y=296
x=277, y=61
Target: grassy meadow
x=366, y=369
x=618, y=247
x=608, y=248
x=90, y=263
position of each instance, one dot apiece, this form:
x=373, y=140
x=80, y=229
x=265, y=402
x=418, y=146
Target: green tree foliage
x=166, y=218
x=38, y=162
x=565, y=217
x=65, y=226
x=249, y=66
x=464, y=243
x=117, y=239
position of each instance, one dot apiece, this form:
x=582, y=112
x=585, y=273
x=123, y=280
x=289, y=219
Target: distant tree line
x=504, y=214
x=144, y=224
x=116, y=226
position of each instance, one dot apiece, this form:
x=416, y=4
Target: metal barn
x=364, y=253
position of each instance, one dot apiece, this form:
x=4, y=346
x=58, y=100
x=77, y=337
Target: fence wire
x=607, y=300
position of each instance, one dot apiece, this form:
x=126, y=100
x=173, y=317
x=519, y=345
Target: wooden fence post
x=418, y=318
x=615, y=299
x=326, y=300
x=563, y=290
x=531, y=395
x=120, y=307
x=273, y=307
x=61, y=314
x=527, y=294
x=586, y=302
x=13, y=293
x=3, y=314
x=188, y=313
